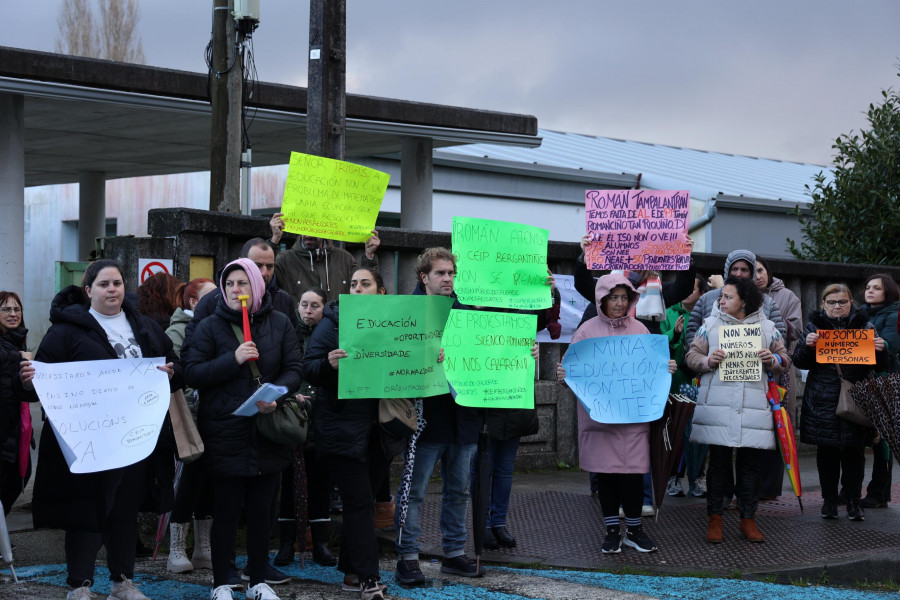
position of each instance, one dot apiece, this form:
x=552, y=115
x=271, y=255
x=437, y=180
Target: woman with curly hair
x=159, y=297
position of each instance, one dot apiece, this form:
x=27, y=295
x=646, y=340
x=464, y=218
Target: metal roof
x=705, y=174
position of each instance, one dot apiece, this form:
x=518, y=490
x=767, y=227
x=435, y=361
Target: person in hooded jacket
x=734, y=414
x=96, y=323
x=15, y=415
x=245, y=466
x=317, y=263
x=738, y=263
x=840, y=444
x=618, y=453
x=882, y=302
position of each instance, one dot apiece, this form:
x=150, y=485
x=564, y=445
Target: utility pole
x=226, y=81
x=326, y=106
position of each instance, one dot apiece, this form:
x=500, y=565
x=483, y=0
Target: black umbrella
x=879, y=399
x=481, y=492
x=666, y=441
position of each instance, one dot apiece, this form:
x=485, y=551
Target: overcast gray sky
x=771, y=78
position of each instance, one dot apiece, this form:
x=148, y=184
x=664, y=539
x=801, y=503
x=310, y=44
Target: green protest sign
x=487, y=358
x=392, y=343
x=500, y=264
x=331, y=198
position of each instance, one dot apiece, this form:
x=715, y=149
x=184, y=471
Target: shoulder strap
x=253, y=368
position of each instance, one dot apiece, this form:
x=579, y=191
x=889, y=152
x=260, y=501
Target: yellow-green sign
x=393, y=343
x=500, y=264
x=487, y=358
x=332, y=199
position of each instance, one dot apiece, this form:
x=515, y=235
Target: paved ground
x=558, y=526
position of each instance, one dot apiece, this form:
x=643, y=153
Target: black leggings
x=621, y=489
x=232, y=493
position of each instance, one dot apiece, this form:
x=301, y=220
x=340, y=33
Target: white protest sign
x=106, y=414
x=571, y=310
x=741, y=344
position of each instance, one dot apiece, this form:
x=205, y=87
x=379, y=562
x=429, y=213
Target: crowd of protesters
x=292, y=303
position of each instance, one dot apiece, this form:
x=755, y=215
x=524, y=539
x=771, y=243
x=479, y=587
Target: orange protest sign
x=846, y=346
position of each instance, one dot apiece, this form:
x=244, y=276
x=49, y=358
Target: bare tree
x=118, y=29
x=77, y=29
x=113, y=35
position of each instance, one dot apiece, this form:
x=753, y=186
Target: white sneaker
x=261, y=591
x=223, y=592
x=698, y=488
x=125, y=590
x=648, y=511
x=82, y=593
x=673, y=488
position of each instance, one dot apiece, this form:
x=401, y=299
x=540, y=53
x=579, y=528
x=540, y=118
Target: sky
x=776, y=79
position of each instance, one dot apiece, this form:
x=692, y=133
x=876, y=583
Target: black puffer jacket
x=233, y=446
x=818, y=422
x=63, y=500
x=343, y=427
x=11, y=342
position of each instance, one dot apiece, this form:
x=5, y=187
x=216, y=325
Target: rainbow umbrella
x=784, y=431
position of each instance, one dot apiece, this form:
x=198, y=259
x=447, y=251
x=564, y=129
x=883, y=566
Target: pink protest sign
x=637, y=229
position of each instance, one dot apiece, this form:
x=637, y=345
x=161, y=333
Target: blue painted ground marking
x=701, y=588
x=152, y=586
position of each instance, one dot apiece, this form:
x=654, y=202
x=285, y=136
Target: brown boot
x=714, y=529
x=748, y=528
x=384, y=515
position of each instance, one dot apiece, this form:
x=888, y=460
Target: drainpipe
x=703, y=220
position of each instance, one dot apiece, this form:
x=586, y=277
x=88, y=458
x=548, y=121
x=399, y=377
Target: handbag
x=287, y=425
x=397, y=416
x=847, y=408
x=187, y=439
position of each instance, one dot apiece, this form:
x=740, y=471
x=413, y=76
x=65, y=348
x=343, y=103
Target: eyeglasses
x=10, y=309
x=837, y=302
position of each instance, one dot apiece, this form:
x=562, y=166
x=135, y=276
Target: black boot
x=504, y=538
x=321, y=553
x=490, y=542
x=287, y=534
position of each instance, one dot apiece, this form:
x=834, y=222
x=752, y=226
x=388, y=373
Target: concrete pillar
x=416, y=183
x=91, y=211
x=12, y=192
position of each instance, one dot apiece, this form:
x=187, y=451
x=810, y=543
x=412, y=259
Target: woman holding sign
x=347, y=439
x=618, y=453
x=840, y=444
x=732, y=410
x=95, y=509
x=226, y=370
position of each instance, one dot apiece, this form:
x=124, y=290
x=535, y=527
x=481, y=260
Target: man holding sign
x=450, y=436
x=840, y=452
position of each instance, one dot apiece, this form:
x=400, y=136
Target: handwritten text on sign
x=393, y=343
x=621, y=378
x=637, y=229
x=487, y=358
x=501, y=264
x=846, y=346
x=741, y=344
x=331, y=198
x=106, y=414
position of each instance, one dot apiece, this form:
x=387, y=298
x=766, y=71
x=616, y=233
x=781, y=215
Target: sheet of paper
x=741, y=344
x=846, y=346
x=106, y=414
x=487, y=358
x=637, y=229
x=620, y=378
x=500, y=264
x=392, y=343
x=267, y=392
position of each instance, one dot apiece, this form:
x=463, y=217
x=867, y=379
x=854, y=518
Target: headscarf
x=257, y=283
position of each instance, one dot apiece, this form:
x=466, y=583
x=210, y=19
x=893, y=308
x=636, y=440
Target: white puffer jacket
x=733, y=413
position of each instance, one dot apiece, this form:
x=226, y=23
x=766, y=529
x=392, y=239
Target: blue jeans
x=503, y=461
x=456, y=462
